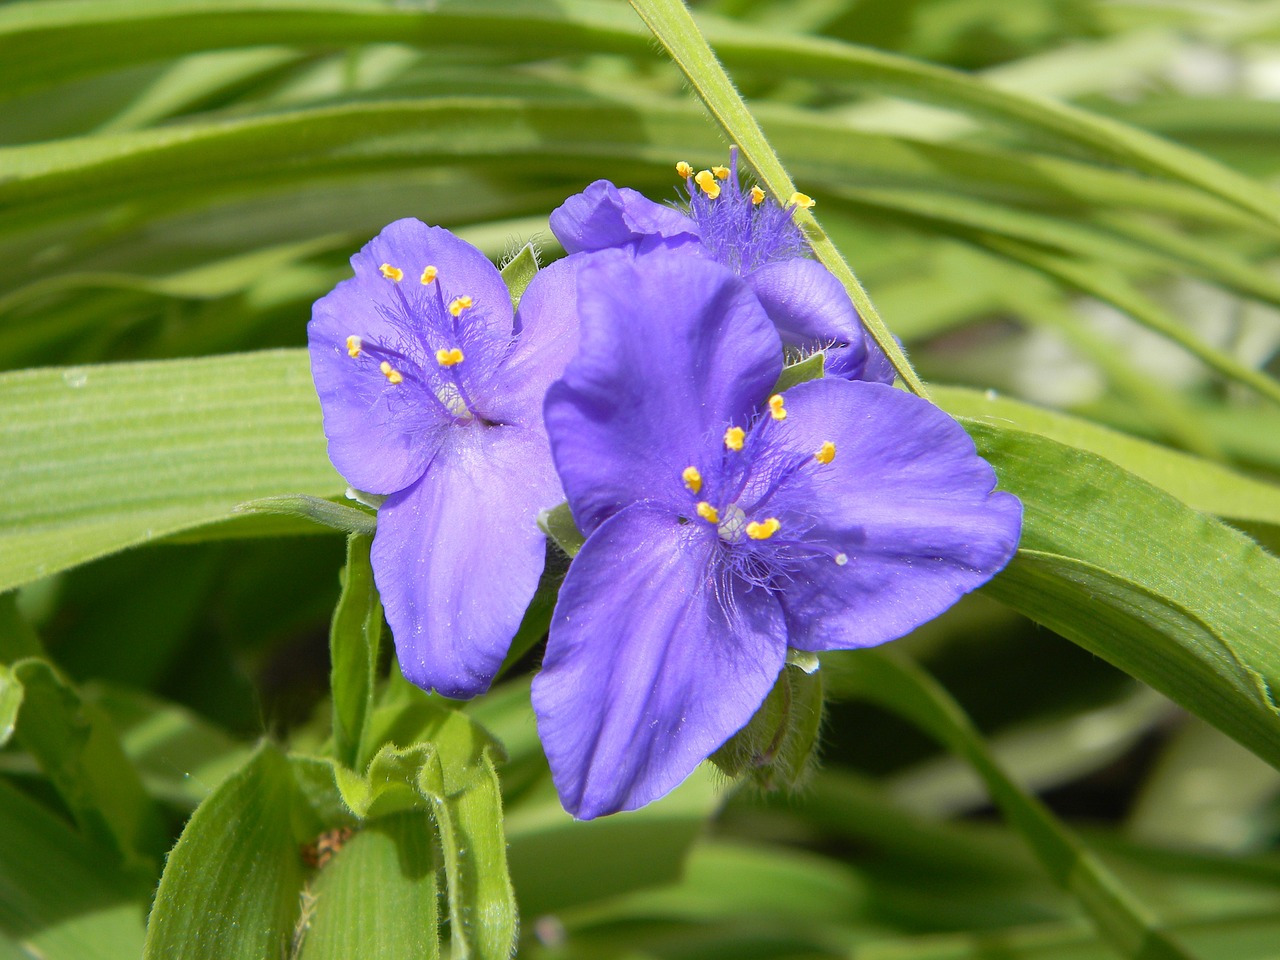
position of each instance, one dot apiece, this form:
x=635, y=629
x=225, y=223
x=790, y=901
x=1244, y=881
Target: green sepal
x=778, y=746
x=557, y=523
x=812, y=367
x=518, y=272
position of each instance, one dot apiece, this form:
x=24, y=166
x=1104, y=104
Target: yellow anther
x=707, y=181
x=733, y=438
x=354, y=344
x=683, y=170
x=428, y=275
x=722, y=173
x=826, y=453
x=757, y=196
x=802, y=200
x=692, y=479
x=776, y=409
x=392, y=273
x=448, y=358
x=393, y=375
x=763, y=531
x=458, y=304
x=707, y=512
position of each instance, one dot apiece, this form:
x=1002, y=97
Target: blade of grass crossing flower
x=231, y=887
x=1127, y=924
x=376, y=899
x=675, y=29
x=354, y=639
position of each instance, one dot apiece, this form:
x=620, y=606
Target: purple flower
x=747, y=232
x=432, y=395
x=725, y=525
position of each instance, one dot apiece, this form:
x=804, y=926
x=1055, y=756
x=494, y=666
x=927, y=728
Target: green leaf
x=80, y=752
x=63, y=897
x=1200, y=484
x=518, y=272
x=448, y=772
x=376, y=899
x=898, y=686
x=231, y=886
x=354, y=640
x=1167, y=594
x=10, y=702
x=100, y=458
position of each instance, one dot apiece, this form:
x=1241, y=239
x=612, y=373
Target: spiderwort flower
x=752, y=235
x=432, y=393
x=725, y=524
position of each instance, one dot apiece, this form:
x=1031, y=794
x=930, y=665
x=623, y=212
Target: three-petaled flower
x=432, y=392
x=726, y=523
x=749, y=233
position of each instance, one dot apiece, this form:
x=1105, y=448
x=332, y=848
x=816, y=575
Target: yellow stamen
x=393, y=375
x=802, y=200
x=826, y=453
x=428, y=275
x=692, y=479
x=722, y=173
x=354, y=344
x=707, y=181
x=733, y=438
x=392, y=273
x=707, y=512
x=757, y=196
x=448, y=358
x=776, y=409
x=683, y=170
x=763, y=531
x=458, y=304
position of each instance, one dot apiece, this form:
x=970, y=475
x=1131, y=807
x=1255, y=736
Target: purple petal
x=907, y=500
x=548, y=337
x=605, y=216
x=672, y=348
x=382, y=436
x=807, y=303
x=645, y=673
x=457, y=556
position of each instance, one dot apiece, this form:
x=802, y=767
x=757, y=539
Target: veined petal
x=411, y=246
x=605, y=216
x=381, y=437
x=905, y=498
x=548, y=335
x=672, y=348
x=457, y=556
x=807, y=304
x=651, y=665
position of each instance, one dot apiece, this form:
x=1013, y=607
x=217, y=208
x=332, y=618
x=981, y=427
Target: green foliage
x=1058, y=208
